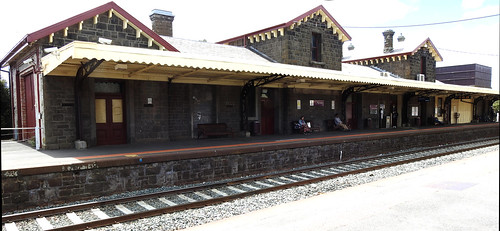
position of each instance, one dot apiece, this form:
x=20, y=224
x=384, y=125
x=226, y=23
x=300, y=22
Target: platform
x=460, y=195
x=19, y=155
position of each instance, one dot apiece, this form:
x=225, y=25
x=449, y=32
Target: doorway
x=110, y=119
x=267, y=116
x=29, y=113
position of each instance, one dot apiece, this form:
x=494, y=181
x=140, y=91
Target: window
x=423, y=65
x=439, y=106
x=316, y=47
x=414, y=111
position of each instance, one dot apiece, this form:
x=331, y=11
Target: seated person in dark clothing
x=437, y=122
x=304, y=126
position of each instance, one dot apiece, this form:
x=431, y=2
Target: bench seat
x=214, y=129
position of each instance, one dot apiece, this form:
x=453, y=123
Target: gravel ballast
x=194, y=217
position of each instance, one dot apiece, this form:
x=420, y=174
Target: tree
x=6, y=113
x=496, y=106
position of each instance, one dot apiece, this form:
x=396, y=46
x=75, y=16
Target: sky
x=467, y=42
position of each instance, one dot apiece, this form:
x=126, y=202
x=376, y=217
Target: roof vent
x=350, y=47
x=401, y=38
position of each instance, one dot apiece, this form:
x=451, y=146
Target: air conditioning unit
x=385, y=74
x=420, y=77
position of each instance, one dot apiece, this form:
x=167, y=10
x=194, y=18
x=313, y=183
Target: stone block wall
x=295, y=46
x=374, y=120
x=409, y=68
x=151, y=121
x=317, y=114
x=228, y=106
x=179, y=112
x=109, y=28
x=59, y=112
x=63, y=184
x=415, y=60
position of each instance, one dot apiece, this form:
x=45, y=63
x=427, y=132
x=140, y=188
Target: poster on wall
x=316, y=102
x=373, y=109
x=320, y=103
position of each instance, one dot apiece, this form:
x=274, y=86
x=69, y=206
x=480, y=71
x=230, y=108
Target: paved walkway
x=19, y=155
x=461, y=195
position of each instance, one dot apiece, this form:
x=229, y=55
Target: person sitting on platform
x=304, y=127
x=437, y=122
x=338, y=123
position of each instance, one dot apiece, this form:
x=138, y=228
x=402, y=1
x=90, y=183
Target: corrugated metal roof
x=350, y=73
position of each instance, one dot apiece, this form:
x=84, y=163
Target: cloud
x=472, y=4
x=369, y=13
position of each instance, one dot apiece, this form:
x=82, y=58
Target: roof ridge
x=46, y=31
x=292, y=22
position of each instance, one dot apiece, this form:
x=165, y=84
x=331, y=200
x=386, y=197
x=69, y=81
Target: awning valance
x=149, y=64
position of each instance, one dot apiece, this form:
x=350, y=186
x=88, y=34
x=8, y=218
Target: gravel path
x=194, y=217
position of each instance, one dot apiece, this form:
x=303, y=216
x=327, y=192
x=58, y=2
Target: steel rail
x=87, y=205
x=201, y=203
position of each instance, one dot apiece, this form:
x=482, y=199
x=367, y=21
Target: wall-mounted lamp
x=264, y=94
x=28, y=60
x=50, y=49
x=105, y=41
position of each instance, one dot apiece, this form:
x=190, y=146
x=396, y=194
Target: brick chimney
x=162, y=22
x=388, y=41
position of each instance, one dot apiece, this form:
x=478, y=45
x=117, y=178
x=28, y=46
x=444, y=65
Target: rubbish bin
x=255, y=128
x=417, y=121
x=368, y=124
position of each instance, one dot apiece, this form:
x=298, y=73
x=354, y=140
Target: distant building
x=468, y=75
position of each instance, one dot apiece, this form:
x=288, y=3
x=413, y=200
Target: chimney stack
x=162, y=22
x=388, y=41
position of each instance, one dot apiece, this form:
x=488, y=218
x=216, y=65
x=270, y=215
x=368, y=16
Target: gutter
x=19, y=46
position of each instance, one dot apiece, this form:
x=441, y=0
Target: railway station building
x=102, y=78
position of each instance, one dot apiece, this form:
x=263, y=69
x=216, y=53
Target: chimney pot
x=162, y=22
x=401, y=38
x=350, y=47
x=388, y=41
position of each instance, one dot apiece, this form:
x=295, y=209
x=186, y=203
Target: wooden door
x=29, y=98
x=267, y=117
x=110, y=119
x=350, y=116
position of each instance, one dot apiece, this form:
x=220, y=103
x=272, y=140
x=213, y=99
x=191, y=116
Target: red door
x=267, y=117
x=29, y=113
x=350, y=116
x=110, y=119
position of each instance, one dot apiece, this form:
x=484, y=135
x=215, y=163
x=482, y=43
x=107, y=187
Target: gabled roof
x=278, y=29
x=401, y=51
x=111, y=7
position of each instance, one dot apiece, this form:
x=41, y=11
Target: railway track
x=113, y=212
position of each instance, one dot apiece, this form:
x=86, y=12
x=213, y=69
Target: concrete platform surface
x=460, y=195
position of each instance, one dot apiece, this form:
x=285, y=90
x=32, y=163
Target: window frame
x=316, y=47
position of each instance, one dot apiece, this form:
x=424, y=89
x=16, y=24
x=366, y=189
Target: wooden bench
x=214, y=129
x=300, y=130
x=331, y=126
